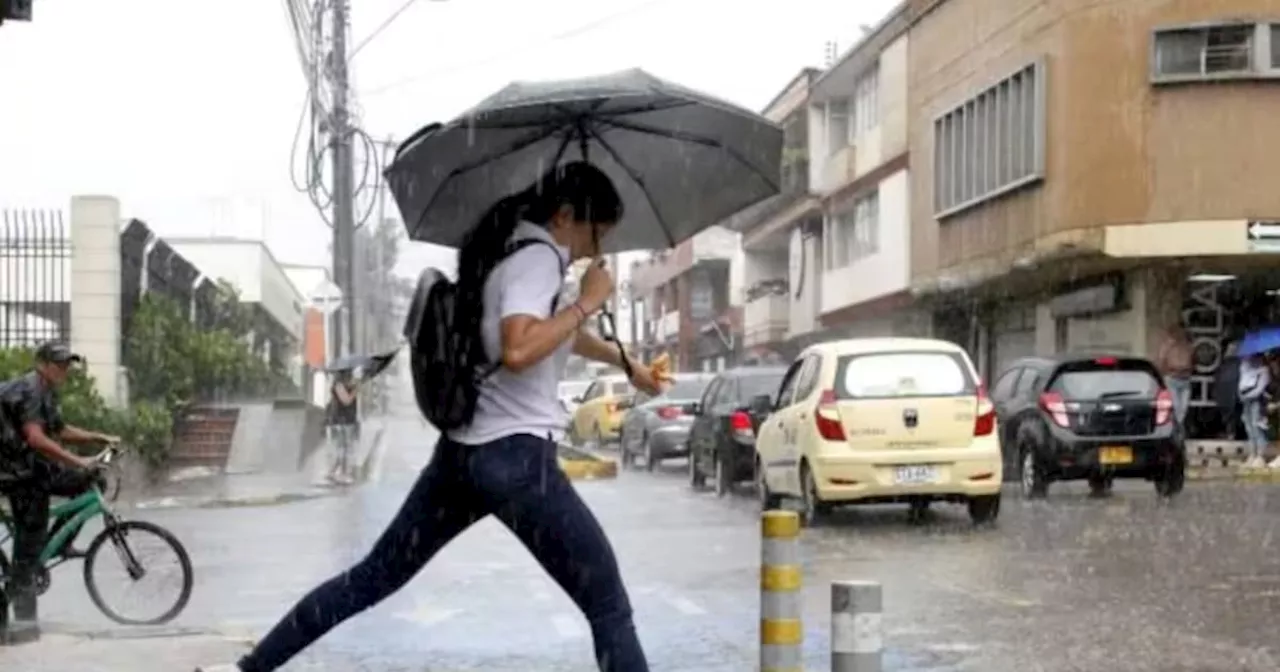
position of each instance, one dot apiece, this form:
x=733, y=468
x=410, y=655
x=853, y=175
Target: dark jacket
x=22, y=400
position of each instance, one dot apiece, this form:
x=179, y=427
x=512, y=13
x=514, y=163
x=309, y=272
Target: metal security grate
x=35, y=277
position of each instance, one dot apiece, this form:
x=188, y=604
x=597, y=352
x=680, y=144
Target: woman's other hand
x=648, y=380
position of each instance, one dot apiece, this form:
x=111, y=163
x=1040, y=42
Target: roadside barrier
x=856, y=641
x=781, y=632
x=581, y=465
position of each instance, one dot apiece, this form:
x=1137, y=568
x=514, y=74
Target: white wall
x=95, y=292
x=887, y=270
x=250, y=267
x=804, y=275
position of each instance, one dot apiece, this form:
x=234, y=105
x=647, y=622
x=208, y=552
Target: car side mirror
x=695, y=408
x=761, y=404
x=577, y=399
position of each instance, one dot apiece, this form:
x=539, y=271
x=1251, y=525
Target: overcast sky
x=186, y=111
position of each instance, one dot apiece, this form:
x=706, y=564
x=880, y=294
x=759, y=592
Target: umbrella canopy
x=681, y=160
x=1259, y=341
x=369, y=365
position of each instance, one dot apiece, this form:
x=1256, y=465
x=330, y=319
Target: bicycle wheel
x=128, y=539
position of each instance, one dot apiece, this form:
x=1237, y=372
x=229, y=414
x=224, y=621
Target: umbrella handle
x=608, y=328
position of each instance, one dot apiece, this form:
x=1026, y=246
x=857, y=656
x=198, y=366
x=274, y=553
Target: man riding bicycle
x=34, y=467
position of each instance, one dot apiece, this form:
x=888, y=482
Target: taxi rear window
x=890, y=375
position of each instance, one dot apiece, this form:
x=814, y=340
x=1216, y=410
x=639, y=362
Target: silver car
x=658, y=427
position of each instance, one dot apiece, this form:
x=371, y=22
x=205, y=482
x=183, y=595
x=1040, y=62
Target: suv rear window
x=1116, y=380
x=903, y=374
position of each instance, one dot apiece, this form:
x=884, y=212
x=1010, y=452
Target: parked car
x=569, y=392
x=884, y=420
x=598, y=417
x=657, y=428
x=1097, y=418
x=722, y=438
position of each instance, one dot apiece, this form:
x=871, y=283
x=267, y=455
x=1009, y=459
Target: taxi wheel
x=768, y=500
x=984, y=510
x=813, y=510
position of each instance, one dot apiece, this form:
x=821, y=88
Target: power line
x=381, y=27
x=576, y=31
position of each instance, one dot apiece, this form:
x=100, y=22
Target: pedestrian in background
x=1176, y=361
x=343, y=415
x=1255, y=377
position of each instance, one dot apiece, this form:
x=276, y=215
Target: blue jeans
x=1180, y=388
x=516, y=479
x=1257, y=436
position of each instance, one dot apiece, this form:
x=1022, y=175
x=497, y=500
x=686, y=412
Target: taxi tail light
x=1164, y=407
x=984, y=422
x=827, y=417
x=741, y=428
x=1054, y=405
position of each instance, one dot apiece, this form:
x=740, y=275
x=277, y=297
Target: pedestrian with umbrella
x=498, y=183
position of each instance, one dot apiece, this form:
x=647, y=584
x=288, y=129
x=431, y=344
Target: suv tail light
x=1054, y=405
x=740, y=427
x=1164, y=407
x=670, y=412
x=985, y=420
x=827, y=417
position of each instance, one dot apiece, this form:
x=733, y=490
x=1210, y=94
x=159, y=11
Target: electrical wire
x=381, y=27
x=571, y=33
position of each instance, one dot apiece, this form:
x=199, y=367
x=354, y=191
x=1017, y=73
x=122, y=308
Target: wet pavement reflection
x=1072, y=583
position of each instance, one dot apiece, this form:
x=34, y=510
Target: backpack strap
x=513, y=247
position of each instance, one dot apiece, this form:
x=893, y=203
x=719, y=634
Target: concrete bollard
x=781, y=635
x=856, y=643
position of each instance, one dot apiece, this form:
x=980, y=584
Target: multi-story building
x=687, y=301
x=831, y=253
x=1089, y=174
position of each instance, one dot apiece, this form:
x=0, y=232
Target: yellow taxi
x=601, y=407
x=884, y=420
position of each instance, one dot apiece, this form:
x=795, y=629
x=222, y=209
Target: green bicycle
x=126, y=537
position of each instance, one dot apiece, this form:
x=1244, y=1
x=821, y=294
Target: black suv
x=722, y=441
x=1096, y=417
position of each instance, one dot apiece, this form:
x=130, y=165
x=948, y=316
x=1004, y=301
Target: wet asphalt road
x=1068, y=584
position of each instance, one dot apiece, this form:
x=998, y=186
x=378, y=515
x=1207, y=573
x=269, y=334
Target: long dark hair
x=578, y=184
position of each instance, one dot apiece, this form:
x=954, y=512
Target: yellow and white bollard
x=781, y=634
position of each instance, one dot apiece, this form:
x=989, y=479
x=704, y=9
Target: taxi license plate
x=1115, y=455
x=915, y=474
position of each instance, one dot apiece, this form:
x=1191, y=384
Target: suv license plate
x=1115, y=455
x=915, y=474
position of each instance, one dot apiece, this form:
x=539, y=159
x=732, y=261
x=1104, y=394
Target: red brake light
x=827, y=417
x=1054, y=405
x=669, y=412
x=984, y=422
x=1105, y=361
x=1164, y=407
x=741, y=428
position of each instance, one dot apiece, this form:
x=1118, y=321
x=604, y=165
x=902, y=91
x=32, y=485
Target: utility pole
x=343, y=181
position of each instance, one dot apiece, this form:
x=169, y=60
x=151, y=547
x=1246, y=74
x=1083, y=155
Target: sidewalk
x=213, y=489
x=65, y=653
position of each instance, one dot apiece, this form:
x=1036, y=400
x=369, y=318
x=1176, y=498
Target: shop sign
x=1096, y=300
x=1264, y=236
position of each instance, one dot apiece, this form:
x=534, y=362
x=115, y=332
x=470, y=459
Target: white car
x=873, y=421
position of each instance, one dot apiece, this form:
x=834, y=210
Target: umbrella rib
x=690, y=137
x=526, y=141
x=639, y=180
x=592, y=113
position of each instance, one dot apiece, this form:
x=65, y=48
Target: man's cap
x=56, y=353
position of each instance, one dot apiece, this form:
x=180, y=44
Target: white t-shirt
x=526, y=283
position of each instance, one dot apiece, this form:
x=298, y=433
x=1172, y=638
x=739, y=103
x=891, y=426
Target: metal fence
x=35, y=277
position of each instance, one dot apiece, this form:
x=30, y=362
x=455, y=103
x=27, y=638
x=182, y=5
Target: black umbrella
x=369, y=365
x=681, y=160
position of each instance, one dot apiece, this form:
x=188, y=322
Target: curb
x=1249, y=475
x=581, y=465
x=276, y=499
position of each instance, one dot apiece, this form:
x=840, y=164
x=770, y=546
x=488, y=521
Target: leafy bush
x=147, y=428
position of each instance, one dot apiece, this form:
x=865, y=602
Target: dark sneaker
x=22, y=631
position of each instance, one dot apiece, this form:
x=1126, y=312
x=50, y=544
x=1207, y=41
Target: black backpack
x=447, y=361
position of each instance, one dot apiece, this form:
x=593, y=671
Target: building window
x=866, y=96
x=837, y=113
x=1201, y=52
x=1275, y=46
x=991, y=144
x=853, y=231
